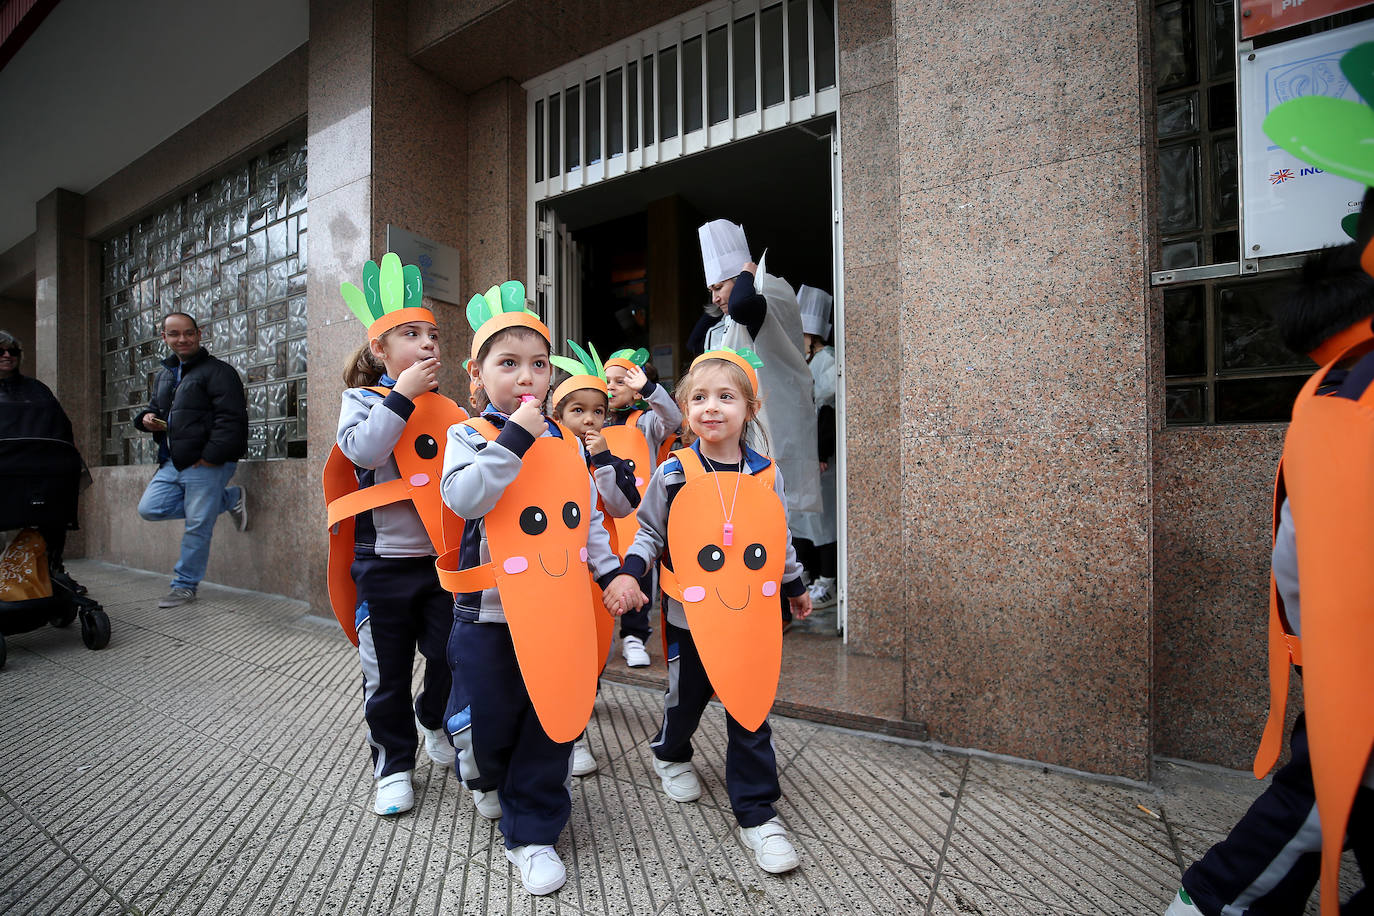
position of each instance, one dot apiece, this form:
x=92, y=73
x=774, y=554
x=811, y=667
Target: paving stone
x=212, y=760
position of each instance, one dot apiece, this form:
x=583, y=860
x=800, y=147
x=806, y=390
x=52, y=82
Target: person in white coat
x=819, y=527
x=750, y=308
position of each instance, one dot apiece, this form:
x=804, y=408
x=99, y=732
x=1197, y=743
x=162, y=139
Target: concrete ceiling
x=99, y=84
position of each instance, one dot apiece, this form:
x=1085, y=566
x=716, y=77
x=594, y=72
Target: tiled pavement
x=211, y=760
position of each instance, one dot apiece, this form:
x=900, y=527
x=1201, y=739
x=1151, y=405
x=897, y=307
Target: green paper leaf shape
x=588, y=364
x=596, y=360
x=357, y=302
x=479, y=310
x=415, y=291
x=513, y=296
x=570, y=366
x=1335, y=135
x=393, y=282
x=371, y=289
x=1351, y=224
x=750, y=357
x=1358, y=66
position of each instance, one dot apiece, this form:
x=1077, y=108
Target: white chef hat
x=724, y=250
x=815, y=310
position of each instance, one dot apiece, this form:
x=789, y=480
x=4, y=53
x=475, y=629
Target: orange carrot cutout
x=628, y=442
x=537, y=537
x=1327, y=456
x=727, y=574
x=420, y=460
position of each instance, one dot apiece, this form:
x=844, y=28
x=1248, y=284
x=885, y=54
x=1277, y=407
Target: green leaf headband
x=627, y=358
x=391, y=296
x=584, y=372
x=499, y=308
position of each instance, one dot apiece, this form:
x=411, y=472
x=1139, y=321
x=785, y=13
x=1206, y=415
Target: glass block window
x=1223, y=360
x=232, y=254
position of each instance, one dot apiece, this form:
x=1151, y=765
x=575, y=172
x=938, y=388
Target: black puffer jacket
x=207, y=414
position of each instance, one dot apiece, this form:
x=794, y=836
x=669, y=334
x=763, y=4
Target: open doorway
x=636, y=280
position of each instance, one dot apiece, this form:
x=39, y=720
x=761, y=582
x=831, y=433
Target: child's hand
x=418, y=378
x=800, y=605
x=623, y=595
x=530, y=418
x=636, y=379
x=595, y=441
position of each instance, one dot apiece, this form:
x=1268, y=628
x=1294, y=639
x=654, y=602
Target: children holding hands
x=713, y=514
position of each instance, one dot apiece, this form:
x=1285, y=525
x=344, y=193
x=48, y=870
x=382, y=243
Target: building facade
x=1055, y=518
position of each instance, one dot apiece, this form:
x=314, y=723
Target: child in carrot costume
x=637, y=434
x=580, y=404
x=381, y=482
x=714, y=514
x=523, y=644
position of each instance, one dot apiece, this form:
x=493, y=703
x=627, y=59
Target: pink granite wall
x=1025, y=379
x=1213, y=495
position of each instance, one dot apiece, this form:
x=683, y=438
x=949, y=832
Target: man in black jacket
x=199, y=417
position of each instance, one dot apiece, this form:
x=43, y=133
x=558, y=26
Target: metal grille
x=723, y=72
x=232, y=254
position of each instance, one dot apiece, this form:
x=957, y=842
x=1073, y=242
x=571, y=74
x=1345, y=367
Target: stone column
x=65, y=350
x=1025, y=417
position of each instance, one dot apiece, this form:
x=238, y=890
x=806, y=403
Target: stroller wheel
x=95, y=629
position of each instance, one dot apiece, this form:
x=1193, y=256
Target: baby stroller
x=39, y=480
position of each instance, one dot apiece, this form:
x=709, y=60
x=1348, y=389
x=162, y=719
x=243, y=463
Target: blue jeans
x=199, y=495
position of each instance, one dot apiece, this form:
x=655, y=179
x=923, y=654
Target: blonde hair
x=479, y=397
x=683, y=393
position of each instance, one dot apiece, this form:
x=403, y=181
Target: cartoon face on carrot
x=729, y=573
x=420, y=461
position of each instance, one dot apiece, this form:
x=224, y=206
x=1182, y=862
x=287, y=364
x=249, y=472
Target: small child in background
x=579, y=403
x=720, y=397
x=629, y=385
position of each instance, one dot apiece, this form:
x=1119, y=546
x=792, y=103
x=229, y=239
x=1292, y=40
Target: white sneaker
x=680, y=781
x=771, y=847
x=436, y=745
x=488, y=804
x=541, y=871
x=1183, y=905
x=394, y=794
x=582, y=760
x=822, y=593
x=632, y=647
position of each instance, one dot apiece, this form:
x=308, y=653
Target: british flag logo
x=1280, y=176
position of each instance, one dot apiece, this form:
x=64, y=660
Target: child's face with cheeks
x=717, y=410
x=621, y=394
x=516, y=365
x=585, y=411
x=405, y=345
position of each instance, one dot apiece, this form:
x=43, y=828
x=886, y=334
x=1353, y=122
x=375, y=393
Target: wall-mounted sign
x=438, y=263
x=1290, y=205
x=1260, y=16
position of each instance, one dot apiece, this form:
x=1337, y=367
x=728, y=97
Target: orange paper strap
x=381, y=494
x=397, y=318
x=461, y=581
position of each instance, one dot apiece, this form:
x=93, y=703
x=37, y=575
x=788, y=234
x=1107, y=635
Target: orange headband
x=397, y=318
x=503, y=320
x=731, y=358
x=577, y=383
x=620, y=361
